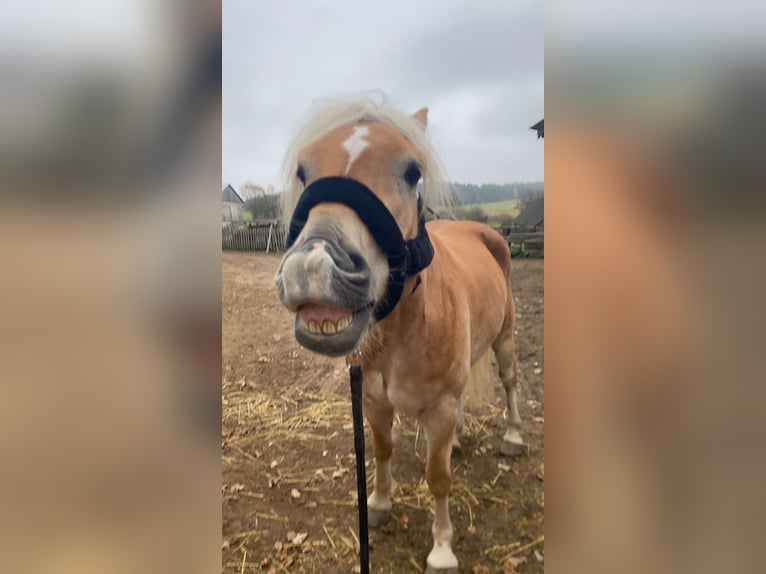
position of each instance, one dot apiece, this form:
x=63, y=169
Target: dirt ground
x=289, y=490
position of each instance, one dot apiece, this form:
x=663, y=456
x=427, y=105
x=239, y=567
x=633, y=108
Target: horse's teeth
x=329, y=328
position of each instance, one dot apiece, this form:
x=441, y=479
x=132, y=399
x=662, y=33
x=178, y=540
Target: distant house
x=532, y=217
x=528, y=228
x=539, y=127
x=232, y=206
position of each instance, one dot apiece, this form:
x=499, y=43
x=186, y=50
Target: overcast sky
x=477, y=66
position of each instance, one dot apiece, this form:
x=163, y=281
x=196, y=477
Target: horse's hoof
x=509, y=448
x=441, y=560
x=377, y=518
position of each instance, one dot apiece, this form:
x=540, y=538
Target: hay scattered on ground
x=306, y=421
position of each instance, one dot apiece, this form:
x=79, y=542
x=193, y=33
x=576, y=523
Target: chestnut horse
x=421, y=302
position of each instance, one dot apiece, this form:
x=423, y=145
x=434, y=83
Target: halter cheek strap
x=405, y=257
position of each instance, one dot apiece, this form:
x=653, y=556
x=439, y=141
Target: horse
x=422, y=302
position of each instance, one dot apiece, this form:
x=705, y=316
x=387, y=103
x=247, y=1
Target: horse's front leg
x=380, y=416
x=439, y=424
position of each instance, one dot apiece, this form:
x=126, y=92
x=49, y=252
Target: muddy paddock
x=289, y=491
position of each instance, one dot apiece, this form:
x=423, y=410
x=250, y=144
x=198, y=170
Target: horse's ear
x=421, y=116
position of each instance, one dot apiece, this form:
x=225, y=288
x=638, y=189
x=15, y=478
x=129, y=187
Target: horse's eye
x=412, y=175
x=301, y=175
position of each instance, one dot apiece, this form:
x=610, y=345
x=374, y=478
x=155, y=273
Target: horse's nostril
x=347, y=260
x=358, y=262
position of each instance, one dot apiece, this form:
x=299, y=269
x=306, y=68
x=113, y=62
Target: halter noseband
x=405, y=257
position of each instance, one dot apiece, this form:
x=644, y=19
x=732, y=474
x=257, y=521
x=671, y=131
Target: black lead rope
x=354, y=361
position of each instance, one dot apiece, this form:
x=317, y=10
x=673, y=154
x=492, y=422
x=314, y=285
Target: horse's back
x=463, y=240
x=472, y=264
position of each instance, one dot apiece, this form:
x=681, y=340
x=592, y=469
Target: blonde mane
x=330, y=114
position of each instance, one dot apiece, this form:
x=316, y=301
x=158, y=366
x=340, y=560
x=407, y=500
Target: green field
x=510, y=206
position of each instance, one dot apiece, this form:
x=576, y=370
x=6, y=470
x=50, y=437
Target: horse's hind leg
x=381, y=417
x=458, y=427
x=505, y=353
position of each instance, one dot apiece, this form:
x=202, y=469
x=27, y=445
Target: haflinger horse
x=421, y=302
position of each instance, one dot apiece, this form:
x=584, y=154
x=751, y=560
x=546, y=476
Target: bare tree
x=259, y=203
x=250, y=190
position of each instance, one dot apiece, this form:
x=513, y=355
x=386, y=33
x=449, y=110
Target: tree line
x=263, y=205
x=469, y=193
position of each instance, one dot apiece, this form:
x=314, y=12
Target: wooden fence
x=531, y=244
x=270, y=237
x=254, y=237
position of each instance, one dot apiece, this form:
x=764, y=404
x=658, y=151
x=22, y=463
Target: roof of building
x=532, y=214
x=230, y=196
x=539, y=127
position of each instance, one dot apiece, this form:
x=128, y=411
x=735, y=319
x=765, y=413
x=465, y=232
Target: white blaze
x=355, y=144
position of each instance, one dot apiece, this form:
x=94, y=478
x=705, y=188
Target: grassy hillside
x=509, y=206
x=495, y=208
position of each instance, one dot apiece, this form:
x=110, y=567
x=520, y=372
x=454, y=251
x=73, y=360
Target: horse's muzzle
x=328, y=288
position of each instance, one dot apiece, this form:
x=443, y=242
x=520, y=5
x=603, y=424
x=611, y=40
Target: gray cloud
x=477, y=66
x=480, y=48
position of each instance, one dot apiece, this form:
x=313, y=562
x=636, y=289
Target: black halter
x=405, y=257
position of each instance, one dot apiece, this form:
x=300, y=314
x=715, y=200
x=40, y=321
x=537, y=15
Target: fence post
x=268, y=241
